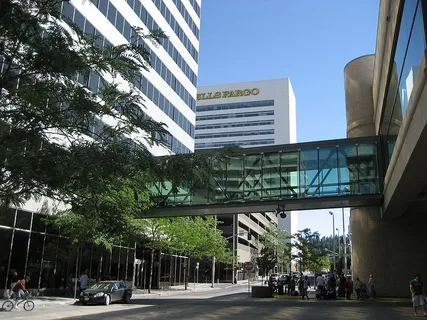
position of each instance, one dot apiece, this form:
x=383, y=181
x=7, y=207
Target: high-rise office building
x=247, y=114
x=32, y=248
x=169, y=87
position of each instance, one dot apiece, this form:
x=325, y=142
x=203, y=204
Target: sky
x=309, y=42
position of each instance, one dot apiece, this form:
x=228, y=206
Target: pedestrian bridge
x=302, y=176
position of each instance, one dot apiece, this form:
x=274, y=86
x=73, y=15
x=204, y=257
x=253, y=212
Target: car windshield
x=102, y=285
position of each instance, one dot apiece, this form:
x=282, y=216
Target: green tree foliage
x=276, y=250
x=50, y=138
x=198, y=237
x=310, y=254
x=266, y=261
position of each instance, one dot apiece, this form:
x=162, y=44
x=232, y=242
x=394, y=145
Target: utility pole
x=333, y=238
x=213, y=262
x=344, y=240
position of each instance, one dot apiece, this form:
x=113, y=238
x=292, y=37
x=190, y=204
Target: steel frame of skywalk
x=312, y=175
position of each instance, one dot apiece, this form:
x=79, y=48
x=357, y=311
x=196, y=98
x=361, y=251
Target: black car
x=106, y=292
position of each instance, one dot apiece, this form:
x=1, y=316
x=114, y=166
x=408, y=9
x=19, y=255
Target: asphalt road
x=233, y=303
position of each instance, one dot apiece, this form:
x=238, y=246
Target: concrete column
x=391, y=250
x=369, y=255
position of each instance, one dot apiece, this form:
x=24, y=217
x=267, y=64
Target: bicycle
x=28, y=304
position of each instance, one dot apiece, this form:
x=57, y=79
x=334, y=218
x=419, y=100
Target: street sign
x=249, y=266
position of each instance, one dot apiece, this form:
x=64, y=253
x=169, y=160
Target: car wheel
x=107, y=300
x=126, y=298
x=84, y=303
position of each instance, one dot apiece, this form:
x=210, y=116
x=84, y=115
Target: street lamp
x=339, y=245
x=344, y=240
x=333, y=235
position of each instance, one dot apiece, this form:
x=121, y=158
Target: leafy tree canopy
x=52, y=140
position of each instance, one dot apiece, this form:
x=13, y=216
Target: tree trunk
x=187, y=273
x=150, y=278
x=134, y=267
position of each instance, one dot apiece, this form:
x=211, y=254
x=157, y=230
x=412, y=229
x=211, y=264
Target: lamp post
x=333, y=235
x=339, y=245
x=344, y=240
x=235, y=234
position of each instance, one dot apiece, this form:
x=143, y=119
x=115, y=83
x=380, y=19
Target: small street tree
x=310, y=254
x=198, y=237
x=275, y=250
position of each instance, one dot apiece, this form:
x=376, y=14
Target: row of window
x=156, y=63
x=149, y=22
x=237, y=105
x=94, y=83
x=235, y=115
x=164, y=104
x=186, y=16
x=207, y=145
x=174, y=144
x=235, y=125
x=176, y=28
x=235, y=134
x=195, y=6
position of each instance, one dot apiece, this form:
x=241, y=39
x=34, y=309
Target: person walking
x=348, y=288
x=83, y=281
x=417, y=292
x=372, y=286
x=305, y=286
x=320, y=282
x=357, y=288
x=341, y=287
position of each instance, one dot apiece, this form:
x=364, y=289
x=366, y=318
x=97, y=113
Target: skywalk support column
x=390, y=249
x=368, y=254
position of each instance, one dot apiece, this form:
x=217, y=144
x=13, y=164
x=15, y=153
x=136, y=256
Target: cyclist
x=19, y=290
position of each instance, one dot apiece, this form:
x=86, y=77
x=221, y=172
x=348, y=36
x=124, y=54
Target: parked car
x=105, y=292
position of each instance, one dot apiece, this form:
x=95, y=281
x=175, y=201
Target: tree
x=310, y=254
x=198, y=237
x=276, y=250
x=266, y=261
x=155, y=234
x=52, y=140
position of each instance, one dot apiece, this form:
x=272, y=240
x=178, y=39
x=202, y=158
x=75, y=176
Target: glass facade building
x=36, y=249
x=408, y=54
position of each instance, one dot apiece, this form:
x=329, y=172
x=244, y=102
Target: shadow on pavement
x=240, y=306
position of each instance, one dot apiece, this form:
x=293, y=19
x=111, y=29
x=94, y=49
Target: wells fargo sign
x=227, y=94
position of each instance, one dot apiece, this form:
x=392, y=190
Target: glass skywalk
x=312, y=175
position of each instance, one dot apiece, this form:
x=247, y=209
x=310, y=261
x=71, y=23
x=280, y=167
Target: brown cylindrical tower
x=388, y=249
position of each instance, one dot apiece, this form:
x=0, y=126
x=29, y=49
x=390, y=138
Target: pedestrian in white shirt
x=320, y=282
x=83, y=281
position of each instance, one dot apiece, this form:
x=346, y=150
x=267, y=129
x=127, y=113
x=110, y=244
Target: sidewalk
x=49, y=301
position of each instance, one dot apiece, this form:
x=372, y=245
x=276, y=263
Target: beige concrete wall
x=389, y=242
x=358, y=75
x=391, y=250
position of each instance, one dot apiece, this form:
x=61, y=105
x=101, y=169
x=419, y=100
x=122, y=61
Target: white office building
x=169, y=87
x=169, y=91
x=247, y=114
